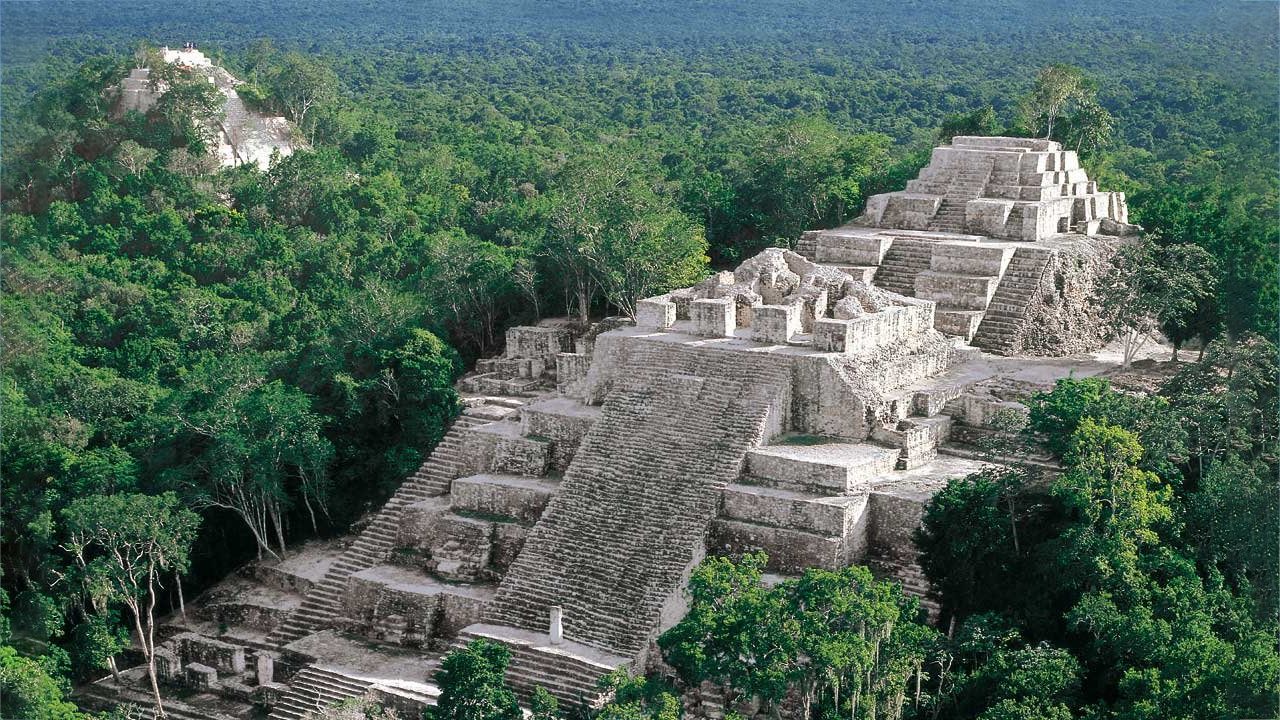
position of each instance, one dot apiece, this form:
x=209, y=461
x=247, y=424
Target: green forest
x=238, y=360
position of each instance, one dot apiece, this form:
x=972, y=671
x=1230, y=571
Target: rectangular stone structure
x=964, y=292
x=168, y=665
x=570, y=368
x=658, y=313
x=775, y=324
x=265, y=669
x=895, y=325
x=202, y=650
x=714, y=317
x=200, y=676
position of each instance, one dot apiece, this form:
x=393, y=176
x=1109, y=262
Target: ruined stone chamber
x=1007, y=235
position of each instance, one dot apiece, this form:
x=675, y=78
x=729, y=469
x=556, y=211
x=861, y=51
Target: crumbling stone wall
x=1063, y=317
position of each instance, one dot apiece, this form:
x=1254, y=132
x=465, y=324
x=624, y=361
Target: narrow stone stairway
x=967, y=185
x=1005, y=315
x=902, y=263
x=373, y=545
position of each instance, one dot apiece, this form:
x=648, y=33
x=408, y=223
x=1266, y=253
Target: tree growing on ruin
x=134, y=541
x=616, y=232
x=1055, y=89
x=841, y=641
x=255, y=444
x=1088, y=127
x=638, y=697
x=473, y=686
x=1149, y=285
x=301, y=84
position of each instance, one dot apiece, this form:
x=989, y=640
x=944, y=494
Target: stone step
x=569, y=671
x=829, y=515
x=835, y=468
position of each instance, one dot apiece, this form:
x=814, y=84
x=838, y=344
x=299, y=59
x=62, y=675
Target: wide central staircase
x=615, y=544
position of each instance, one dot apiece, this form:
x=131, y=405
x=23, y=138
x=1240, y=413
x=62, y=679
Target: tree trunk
x=279, y=525
x=182, y=601
x=149, y=653
x=1013, y=525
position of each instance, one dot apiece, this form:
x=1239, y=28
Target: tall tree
x=615, y=232
x=301, y=83
x=1055, y=88
x=837, y=639
x=1148, y=286
x=472, y=684
x=136, y=541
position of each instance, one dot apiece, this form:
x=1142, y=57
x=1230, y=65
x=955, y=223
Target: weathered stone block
x=900, y=326
x=540, y=343
x=570, y=368
x=893, y=523
x=266, y=697
x=508, y=539
x=837, y=247
x=507, y=496
x=199, y=649
x=562, y=421
x=462, y=549
x=265, y=669
x=965, y=292
x=168, y=666
x=836, y=468
x=775, y=324
x=970, y=259
x=714, y=318
x=199, y=676
x=499, y=447
x=420, y=522
x=789, y=550
x=521, y=455
x=658, y=313
x=389, y=605
x=782, y=508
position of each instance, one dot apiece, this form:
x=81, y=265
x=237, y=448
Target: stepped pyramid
x=1006, y=235
x=244, y=136
x=806, y=404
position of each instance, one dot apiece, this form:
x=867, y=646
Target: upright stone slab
x=199, y=676
x=168, y=665
x=266, y=669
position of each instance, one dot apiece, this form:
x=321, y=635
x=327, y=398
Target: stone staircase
x=967, y=185
x=908, y=574
x=377, y=540
x=905, y=260
x=1005, y=315
x=570, y=672
x=634, y=507
x=314, y=688
x=950, y=216
x=804, y=505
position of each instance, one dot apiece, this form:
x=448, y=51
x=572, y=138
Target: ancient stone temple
x=1005, y=235
x=242, y=134
x=806, y=404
